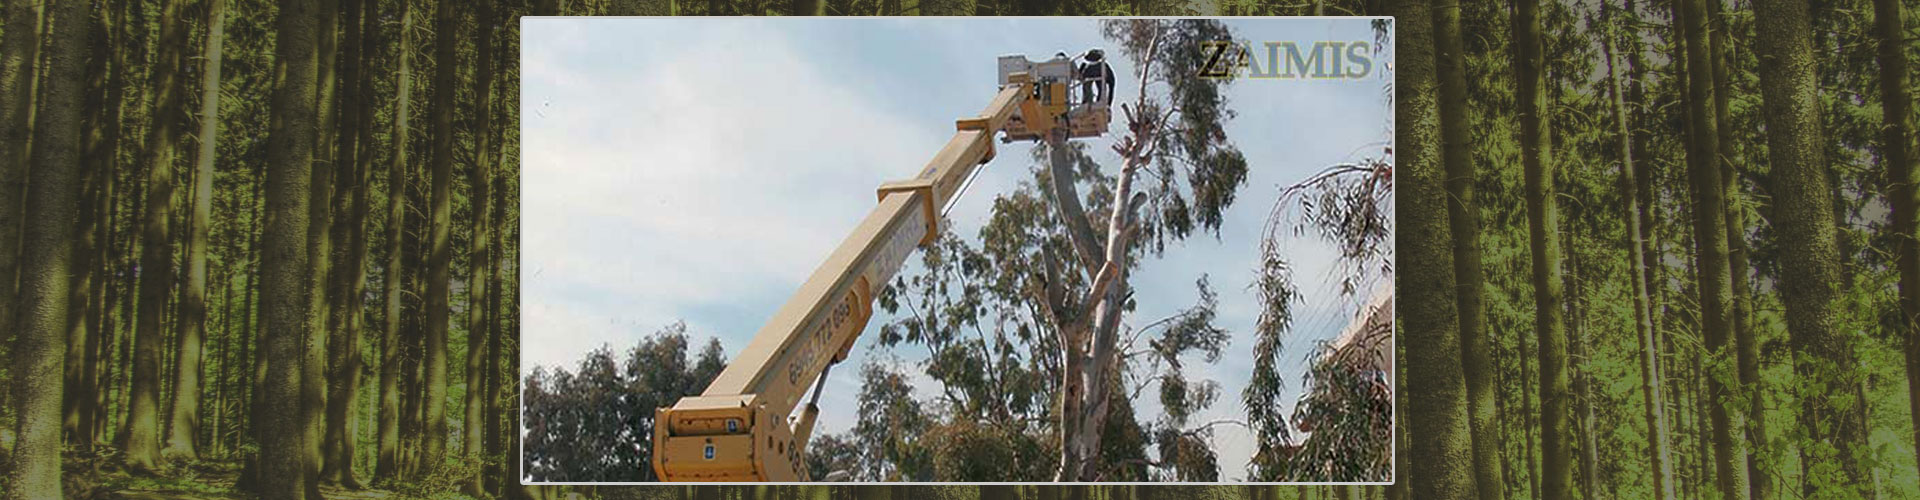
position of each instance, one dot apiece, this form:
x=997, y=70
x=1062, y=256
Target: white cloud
x=697, y=187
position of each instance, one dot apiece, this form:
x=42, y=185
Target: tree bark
x=76, y=404
x=156, y=248
x=1803, y=215
x=19, y=50
x=52, y=205
x=1751, y=424
x=477, y=262
x=184, y=422
x=343, y=340
x=1896, y=146
x=387, y=465
x=1437, y=397
x=1659, y=457
x=314, y=372
x=1543, y=221
x=1711, y=244
x=1463, y=215
x=284, y=266
x=440, y=257
x=99, y=362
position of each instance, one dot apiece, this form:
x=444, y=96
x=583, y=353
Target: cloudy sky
x=698, y=170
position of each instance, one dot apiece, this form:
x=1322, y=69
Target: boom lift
x=742, y=427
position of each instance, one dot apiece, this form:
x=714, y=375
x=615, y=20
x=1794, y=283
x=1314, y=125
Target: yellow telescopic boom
x=742, y=427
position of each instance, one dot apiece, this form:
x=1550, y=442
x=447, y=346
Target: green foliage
x=1194, y=150
x=1348, y=410
x=596, y=422
x=891, y=427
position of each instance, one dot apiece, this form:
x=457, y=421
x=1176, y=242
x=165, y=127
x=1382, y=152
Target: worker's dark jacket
x=1097, y=72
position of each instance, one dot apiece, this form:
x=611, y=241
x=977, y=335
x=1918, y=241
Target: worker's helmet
x=1094, y=55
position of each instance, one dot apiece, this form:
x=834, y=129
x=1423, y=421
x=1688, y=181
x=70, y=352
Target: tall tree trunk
x=52, y=205
x=1543, y=221
x=343, y=341
x=19, y=50
x=1402, y=487
x=257, y=370
x=156, y=248
x=1659, y=456
x=357, y=244
x=507, y=361
x=1463, y=215
x=1437, y=401
x=284, y=303
x=93, y=422
x=1803, y=215
x=370, y=20
x=314, y=372
x=1580, y=338
x=440, y=259
x=413, y=341
x=387, y=465
x=479, y=179
x=184, y=424
x=1711, y=229
x=1750, y=426
x=1529, y=411
x=100, y=361
x=76, y=408
x=129, y=283
x=1651, y=251
x=1896, y=110
x=511, y=351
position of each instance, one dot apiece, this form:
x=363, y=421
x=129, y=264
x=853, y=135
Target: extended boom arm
x=740, y=429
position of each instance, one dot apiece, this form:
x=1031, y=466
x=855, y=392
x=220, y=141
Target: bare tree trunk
x=100, y=324
x=19, y=50
x=34, y=471
x=343, y=341
x=1437, y=402
x=156, y=262
x=358, y=245
x=1896, y=110
x=284, y=303
x=1463, y=215
x=1401, y=489
x=440, y=258
x=480, y=180
x=1803, y=215
x=184, y=424
x=1580, y=337
x=1751, y=424
x=388, y=464
x=76, y=404
x=1658, y=455
x=100, y=360
x=314, y=372
x=1711, y=229
x=1543, y=220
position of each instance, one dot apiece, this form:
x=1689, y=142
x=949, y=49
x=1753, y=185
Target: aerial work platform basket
x=1055, y=97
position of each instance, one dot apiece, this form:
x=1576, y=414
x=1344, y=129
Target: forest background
x=1736, y=322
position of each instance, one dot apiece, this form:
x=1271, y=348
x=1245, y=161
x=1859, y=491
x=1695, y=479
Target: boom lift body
x=740, y=429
